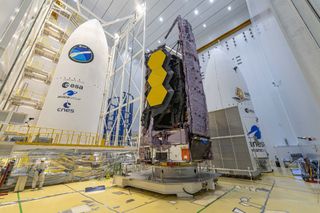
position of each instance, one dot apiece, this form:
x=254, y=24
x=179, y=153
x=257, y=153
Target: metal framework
x=124, y=74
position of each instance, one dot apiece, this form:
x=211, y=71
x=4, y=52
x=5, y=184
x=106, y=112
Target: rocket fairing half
x=75, y=95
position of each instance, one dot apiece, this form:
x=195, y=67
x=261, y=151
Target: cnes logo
x=66, y=107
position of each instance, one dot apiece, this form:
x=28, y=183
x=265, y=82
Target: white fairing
x=221, y=80
x=76, y=93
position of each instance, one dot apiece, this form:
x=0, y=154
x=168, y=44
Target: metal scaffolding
x=124, y=75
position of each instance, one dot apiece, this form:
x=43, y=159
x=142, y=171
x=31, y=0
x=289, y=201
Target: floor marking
x=20, y=206
x=263, y=208
x=91, y=198
x=145, y=203
x=278, y=186
x=33, y=199
x=206, y=206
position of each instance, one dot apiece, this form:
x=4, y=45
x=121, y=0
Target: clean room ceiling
x=204, y=15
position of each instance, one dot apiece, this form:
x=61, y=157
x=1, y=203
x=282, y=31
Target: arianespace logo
x=81, y=53
x=66, y=107
x=71, y=90
x=70, y=94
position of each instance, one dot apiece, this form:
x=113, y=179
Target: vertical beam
x=143, y=74
x=107, y=87
x=121, y=89
x=78, y=6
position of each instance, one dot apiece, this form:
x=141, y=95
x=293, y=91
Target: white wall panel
x=293, y=61
x=7, y=10
x=258, y=81
x=282, y=96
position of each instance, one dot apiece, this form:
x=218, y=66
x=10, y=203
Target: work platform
x=17, y=146
x=183, y=181
x=24, y=137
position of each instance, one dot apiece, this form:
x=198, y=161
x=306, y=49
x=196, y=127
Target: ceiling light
x=140, y=8
x=11, y=18
x=116, y=35
x=211, y=1
x=229, y=8
x=196, y=11
x=204, y=25
x=159, y=41
x=16, y=10
x=160, y=19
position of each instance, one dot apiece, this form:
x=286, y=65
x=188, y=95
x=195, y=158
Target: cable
x=94, y=6
x=107, y=9
x=189, y=192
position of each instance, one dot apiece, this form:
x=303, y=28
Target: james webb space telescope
x=175, y=111
x=175, y=115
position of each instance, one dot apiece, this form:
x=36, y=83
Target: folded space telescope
x=175, y=111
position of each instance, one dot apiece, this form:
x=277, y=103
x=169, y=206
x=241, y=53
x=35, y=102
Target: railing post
x=71, y=141
x=52, y=133
x=28, y=130
x=61, y=133
x=68, y=138
x=78, y=139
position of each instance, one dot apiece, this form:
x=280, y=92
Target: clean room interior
x=152, y=106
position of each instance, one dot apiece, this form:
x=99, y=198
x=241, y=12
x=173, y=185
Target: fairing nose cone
x=75, y=95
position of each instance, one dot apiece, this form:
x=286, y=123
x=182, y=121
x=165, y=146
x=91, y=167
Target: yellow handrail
x=34, y=134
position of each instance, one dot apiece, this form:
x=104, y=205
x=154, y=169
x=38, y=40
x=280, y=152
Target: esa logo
x=71, y=85
x=66, y=108
x=81, y=53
